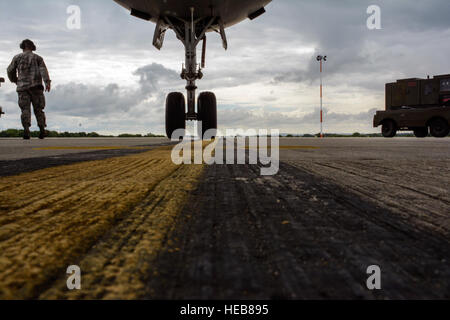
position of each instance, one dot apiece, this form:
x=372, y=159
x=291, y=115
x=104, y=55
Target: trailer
x=418, y=105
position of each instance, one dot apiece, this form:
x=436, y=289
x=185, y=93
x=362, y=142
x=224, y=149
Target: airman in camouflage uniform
x=27, y=70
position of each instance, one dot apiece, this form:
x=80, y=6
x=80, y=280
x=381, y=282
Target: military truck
x=420, y=105
x=1, y=111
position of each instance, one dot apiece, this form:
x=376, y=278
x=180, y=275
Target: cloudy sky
x=108, y=78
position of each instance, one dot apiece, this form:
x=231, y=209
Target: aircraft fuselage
x=230, y=11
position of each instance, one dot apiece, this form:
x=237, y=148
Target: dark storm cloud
x=151, y=77
x=255, y=118
x=75, y=99
x=267, y=51
x=338, y=28
x=80, y=100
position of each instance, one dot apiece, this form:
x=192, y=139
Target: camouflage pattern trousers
x=36, y=97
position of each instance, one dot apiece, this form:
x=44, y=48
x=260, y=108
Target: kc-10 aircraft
x=191, y=20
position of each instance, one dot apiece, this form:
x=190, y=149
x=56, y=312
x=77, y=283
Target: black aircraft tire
x=421, y=132
x=175, y=113
x=389, y=129
x=439, y=128
x=207, y=112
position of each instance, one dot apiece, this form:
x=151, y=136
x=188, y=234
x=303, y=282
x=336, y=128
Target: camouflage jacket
x=28, y=70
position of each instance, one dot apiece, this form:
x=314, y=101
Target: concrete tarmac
x=331, y=148
x=141, y=227
x=15, y=149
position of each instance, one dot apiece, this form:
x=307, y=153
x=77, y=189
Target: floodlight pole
x=321, y=59
x=321, y=101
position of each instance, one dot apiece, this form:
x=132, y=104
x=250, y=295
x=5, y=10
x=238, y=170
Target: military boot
x=42, y=133
x=26, y=133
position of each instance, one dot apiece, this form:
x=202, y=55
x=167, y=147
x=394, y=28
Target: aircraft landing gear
x=176, y=116
x=191, y=33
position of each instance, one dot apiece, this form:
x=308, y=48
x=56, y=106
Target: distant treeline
x=354, y=135
x=15, y=133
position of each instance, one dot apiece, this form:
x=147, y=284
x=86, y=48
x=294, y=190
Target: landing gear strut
x=191, y=33
x=1, y=111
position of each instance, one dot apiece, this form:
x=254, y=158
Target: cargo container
x=420, y=105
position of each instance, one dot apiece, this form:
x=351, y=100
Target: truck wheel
x=389, y=129
x=421, y=132
x=439, y=128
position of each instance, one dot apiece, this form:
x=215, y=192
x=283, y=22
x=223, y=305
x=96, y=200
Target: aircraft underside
x=191, y=20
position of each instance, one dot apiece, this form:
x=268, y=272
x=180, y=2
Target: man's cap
x=27, y=43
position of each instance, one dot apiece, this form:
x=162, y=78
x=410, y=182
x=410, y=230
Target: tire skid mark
x=401, y=260
x=335, y=217
x=295, y=235
x=418, y=208
x=384, y=181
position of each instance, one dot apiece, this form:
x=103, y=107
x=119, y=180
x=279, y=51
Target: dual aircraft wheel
x=176, y=114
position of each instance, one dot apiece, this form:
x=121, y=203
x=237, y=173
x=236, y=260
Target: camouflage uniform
x=28, y=70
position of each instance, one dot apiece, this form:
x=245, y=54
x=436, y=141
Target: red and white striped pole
x=321, y=59
x=321, y=101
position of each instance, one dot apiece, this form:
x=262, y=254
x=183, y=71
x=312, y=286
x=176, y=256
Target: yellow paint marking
x=298, y=147
x=110, y=217
x=93, y=148
x=288, y=147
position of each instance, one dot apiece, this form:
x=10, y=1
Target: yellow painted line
x=298, y=147
x=289, y=147
x=93, y=148
x=111, y=217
